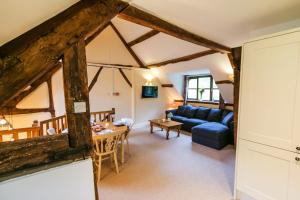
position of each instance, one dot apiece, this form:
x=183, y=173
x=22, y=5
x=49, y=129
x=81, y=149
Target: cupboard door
x=269, y=85
x=294, y=184
x=263, y=171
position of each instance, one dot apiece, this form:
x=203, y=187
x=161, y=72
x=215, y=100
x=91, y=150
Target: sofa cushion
x=202, y=113
x=189, y=111
x=227, y=119
x=214, y=115
x=180, y=110
x=211, y=130
x=178, y=118
x=194, y=122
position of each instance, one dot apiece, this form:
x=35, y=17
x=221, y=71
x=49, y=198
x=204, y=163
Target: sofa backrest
x=204, y=113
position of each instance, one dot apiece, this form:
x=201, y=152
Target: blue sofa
x=209, y=126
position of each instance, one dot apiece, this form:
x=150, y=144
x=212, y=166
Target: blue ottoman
x=211, y=134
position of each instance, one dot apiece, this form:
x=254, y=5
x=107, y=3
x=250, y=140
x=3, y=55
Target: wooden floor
x=175, y=169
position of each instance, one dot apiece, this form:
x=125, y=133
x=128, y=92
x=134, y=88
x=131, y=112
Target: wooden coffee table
x=167, y=125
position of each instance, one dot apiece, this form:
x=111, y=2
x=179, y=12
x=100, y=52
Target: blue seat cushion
x=214, y=115
x=202, y=113
x=178, y=118
x=227, y=119
x=194, y=122
x=180, y=110
x=211, y=130
x=189, y=111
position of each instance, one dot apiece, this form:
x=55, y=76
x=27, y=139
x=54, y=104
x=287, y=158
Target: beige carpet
x=174, y=169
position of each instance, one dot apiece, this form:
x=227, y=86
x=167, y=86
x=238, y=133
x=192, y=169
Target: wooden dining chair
x=105, y=146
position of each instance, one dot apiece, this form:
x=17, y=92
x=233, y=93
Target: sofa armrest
x=173, y=111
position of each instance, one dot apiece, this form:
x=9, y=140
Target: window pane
x=216, y=95
x=193, y=83
x=192, y=94
x=204, y=94
x=204, y=82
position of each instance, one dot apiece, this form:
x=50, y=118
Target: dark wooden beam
x=143, y=37
x=183, y=59
x=51, y=101
x=235, y=60
x=17, y=111
x=33, y=86
x=125, y=77
x=95, y=34
x=132, y=53
x=94, y=81
x=222, y=104
x=26, y=58
x=167, y=85
x=76, y=90
x=109, y=64
x=185, y=84
x=138, y=16
x=224, y=82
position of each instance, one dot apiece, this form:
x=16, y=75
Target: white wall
x=77, y=184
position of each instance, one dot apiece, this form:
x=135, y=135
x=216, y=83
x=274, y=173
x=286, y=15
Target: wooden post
x=235, y=60
x=184, y=90
x=77, y=92
x=222, y=104
x=51, y=102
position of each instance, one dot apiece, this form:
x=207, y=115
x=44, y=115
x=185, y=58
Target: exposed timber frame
x=143, y=37
x=62, y=36
x=138, y=16
x=63, y=29
x=183, y=58
x=235, y=60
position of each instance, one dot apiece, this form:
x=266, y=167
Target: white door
x=263, y=172
x=269, y=89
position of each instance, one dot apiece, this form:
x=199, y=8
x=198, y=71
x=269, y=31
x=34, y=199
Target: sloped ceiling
x=227, y=22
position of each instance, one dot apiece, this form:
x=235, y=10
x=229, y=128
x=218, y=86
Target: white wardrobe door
x=294, y=185
x=268, y=91
x=263, y=171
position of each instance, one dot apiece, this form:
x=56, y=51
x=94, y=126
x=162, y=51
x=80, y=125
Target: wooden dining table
x=110, y=128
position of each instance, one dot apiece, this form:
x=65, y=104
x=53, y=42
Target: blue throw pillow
x=214, y=115
x=227, y=119
x=202, y=113
x=180, y=110
x=189, y=111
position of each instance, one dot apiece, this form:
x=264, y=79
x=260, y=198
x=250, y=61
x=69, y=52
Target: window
x=202, y=88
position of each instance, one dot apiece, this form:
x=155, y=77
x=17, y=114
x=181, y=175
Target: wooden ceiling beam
x=224, y=82
x=34, y=86
x=94, y=81
x=132, y=53
x=183, y=59
x=143, y=18
x=95, y=34
x=143, y=37
x=23, y=59
x=125, y=77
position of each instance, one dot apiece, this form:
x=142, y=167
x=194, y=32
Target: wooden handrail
x=103, y=115
x=58, y=123
x=30, y=132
